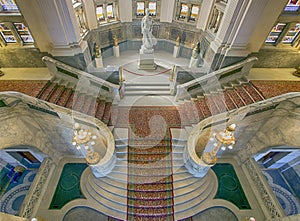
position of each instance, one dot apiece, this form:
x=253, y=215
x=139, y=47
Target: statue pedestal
x=116, y=50
x=99, y=62
x=147, y=61
x=194, y=63
x=176, y=51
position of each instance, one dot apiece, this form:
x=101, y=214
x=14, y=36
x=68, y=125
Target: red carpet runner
x=150, y=188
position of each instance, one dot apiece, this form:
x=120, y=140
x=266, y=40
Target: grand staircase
x=149, y=181
x=231, y=96
x=147, y=88
x=99, y=107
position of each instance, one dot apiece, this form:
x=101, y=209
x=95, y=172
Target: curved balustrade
x=190, y=153
x=196, y=166
x=214, y=79
x=106, y=163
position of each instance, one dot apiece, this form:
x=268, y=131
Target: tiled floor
x=12, y=200
x=289, y=202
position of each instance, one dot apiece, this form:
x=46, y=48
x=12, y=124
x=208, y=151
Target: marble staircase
x=147, y=88
x=231, y=96
x=97, y=106
x=153, y=185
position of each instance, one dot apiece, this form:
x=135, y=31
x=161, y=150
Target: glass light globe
x=92, y=142
x=76, y=125
x=230, y=147
x=94, y=137
x=223, y=148
x=74, y=143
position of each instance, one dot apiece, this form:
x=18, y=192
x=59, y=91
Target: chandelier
x=223, y=139
x=84, y=142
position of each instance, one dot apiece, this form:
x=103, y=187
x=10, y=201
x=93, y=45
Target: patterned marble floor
x=12, y=199
x=289, y=202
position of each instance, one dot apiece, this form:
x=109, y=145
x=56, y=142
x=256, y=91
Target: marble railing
x=264, y=191
x=81, y=80
x=37, y=189
x=219, y=122
x=67, y=118
x=213, y=80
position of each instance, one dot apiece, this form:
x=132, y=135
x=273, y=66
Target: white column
x=268, y=17
x=90, y=12
x=125, y=10
x=204, y=14
x=238, y=26
x=53, y=25
x=167, y=10
x=240, y=22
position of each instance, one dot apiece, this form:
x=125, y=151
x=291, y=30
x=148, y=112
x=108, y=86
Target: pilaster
x=167, y=9
x=90, y=12
x=125, y=11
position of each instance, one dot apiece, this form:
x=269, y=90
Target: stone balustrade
x=213, y=80
x=81, y=80
x=59, y=117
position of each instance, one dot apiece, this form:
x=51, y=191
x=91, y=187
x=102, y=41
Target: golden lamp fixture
x=223, y=139
x=84, y=141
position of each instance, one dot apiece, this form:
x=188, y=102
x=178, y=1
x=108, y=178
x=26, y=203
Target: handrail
x=251, y=108
x=268, y=198
x=37, y=189
x=215, y=79
x=72, y=75
x=106, y=162
x=190, y=155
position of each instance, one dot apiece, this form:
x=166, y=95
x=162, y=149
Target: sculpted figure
x=148, y=39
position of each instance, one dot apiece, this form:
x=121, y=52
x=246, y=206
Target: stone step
x=147, y=92
x=146, y=84
x=188, y=205
x=147, y=88
x=106, y=202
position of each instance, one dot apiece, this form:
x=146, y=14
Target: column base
x=116, y=50
x=176, y=51
x=99, y=62
x=193, y=63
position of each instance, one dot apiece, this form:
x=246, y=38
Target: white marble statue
x=148, y=39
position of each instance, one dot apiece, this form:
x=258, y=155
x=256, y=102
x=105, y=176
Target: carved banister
x=215, y=79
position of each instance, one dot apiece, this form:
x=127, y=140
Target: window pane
x=109, y=11
x=99, y=13
x=194, y=13
x=140, y=8
x=184, y=11
x=23, y=33
x=7, y=34
x=292, y=34
x=275, y=33
x=8, y=6
x=292, y=6
x=152, y=8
